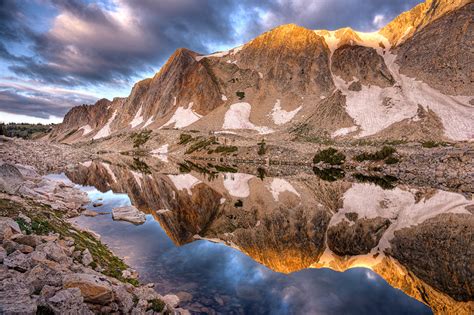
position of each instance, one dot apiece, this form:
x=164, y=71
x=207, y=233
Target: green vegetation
x=24, y=130
x=385, y=152
x=391, y=160
x=433, y=144
x=185, y=138
x=140, y=138
x=200, y=145
x=262, y=147
x=45, y=220
x=224, y=149
x=140, y=166
x=156, y=305
x=330, y=156
x=329, y=174
x=386, y=182
x=225, y=169
x=240, y=95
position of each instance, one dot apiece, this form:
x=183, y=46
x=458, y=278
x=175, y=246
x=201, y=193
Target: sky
x=56, y=54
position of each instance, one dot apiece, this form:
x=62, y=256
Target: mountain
x=410, y=80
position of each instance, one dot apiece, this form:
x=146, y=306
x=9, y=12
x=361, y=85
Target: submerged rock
x=130, y=214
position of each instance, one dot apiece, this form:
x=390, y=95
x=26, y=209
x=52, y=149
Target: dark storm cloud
x=86, y=44
x=42, y=104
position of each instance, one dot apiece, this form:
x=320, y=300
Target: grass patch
x=156, y=305
x=140, y=138
x=385, y=152
x=330, y=156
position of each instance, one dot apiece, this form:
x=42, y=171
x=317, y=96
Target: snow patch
x=281, y=116
x=161, y=153
x=260, y=75
x=279, y=185
x=86, y=129
x=238, y=117
x=371, y=201
x=148, y=122
x=214, y=55
x=344, y=131
x=184, y=182
x=86, y=163
x=237, y=184
x=105, y=131
x=183, y=117
x=223, y=97
x=138, y=119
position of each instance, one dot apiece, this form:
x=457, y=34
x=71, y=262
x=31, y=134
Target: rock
x=68, y=301
x=184, y=296
x=93, y=288
x=86, y=257
x=90, y=213
x=30, y=240
x=8, y=227
x=171, y=299
x=123, y=298
x=10, y=178
x=18, y=261
x=15, y=296
x=130, y=214
x=10, y=246
x=48, y=291
x=42, y=274
x=54, y=252
x=3, y=254
x=25, y=249
x=24, y=218
x=130, y=274
x=97, y=204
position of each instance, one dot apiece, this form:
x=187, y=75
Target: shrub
x=391, y=160
x=330, y=156
x=239, y=204
x=184, y=138
x=156, y=305
x=432, y=144
x=140, y=138
x=329, y=174
x=382, y=154
x=224, y=149
x=386, y=182
x=202, y=144
x=240, y=94
x=262, y=148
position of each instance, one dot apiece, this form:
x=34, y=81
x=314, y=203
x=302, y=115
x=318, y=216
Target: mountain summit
x=411, y=80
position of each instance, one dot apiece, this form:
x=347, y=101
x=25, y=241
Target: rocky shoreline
x=50, y=266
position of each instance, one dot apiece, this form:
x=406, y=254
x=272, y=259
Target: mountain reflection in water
x=286, y=238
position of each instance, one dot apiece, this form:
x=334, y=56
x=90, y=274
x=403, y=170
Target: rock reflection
x=418, y=240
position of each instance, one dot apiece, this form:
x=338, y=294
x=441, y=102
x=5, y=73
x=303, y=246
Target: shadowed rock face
x=440, y=251
x=363, y=64
x=441, y=53
x=287, y=232
x=357, y=238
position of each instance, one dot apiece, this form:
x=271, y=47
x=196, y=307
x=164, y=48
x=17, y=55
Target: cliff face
x=273, y=83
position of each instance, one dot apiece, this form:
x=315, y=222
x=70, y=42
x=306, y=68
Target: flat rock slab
x=130, y=214
x=93, y=288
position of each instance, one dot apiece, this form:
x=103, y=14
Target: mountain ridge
x=275, y=81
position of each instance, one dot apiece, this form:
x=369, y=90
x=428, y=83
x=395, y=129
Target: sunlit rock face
x=419, y=240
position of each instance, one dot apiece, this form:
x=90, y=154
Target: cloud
x=112, y=43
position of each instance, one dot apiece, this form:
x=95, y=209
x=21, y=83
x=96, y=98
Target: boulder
x=42, y=275
x=94, y=289
x=18, y=261
x=30, y=240
x=129, y=213
x=68, y=301
x=123, y=298
x=3, y=254
x=171, y=299
x=15, y=296
x=86, y=257
x=8, y=227
x=55, y=252
x=10, y=178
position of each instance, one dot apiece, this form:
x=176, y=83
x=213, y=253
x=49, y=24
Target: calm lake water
x=218, y=275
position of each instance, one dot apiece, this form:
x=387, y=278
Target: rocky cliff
x=376, y=82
